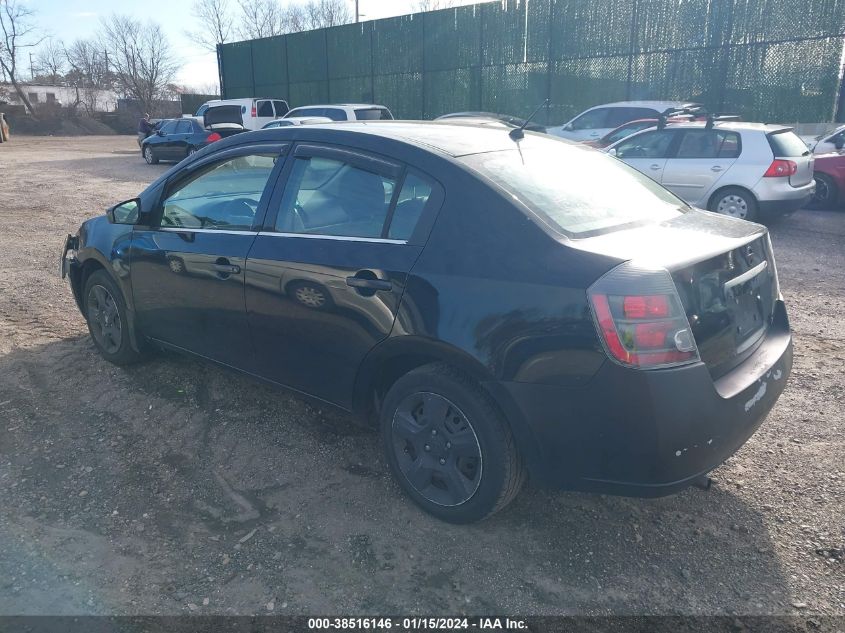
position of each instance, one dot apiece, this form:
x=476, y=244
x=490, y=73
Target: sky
x=68, y=20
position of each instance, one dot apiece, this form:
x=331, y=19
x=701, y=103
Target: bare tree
x=215, y=23
x=324, y=13
x=433, y=5
x=17, y=33
x=51, y=61
x=88, y=74
x=261, y=18
x=140, y=58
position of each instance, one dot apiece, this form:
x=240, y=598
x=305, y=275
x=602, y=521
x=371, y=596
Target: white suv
x=739, y=169
x=594, y=123
x=344, y=112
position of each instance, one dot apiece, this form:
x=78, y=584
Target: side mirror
x=839, y=142
x=611, y=151
x=159, y=133
x=568, y=127
x=125, y=212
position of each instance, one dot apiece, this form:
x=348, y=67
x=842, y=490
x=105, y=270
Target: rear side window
x=335, y=114
x=618, y=116
x=265, y=108
x=222, y=196
x=324, y=196
x=413, y=198
x=184, y=127
x=568, y=188
x=373, y=114
x=787, y=144
x=281, y=108
x=709, y=144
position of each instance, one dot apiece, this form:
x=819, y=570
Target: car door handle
x=655, y=166
x=716, y=168
x=228, y=269
x=371, y=284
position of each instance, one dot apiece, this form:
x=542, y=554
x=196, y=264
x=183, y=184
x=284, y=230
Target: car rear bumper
x=647, y=433
x=785, y=198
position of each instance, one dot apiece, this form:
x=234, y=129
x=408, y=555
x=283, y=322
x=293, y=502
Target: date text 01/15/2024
x=417, y=624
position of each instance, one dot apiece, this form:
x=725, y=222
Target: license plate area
x=744, y=301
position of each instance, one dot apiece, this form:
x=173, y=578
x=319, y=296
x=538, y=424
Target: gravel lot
x=177, y=487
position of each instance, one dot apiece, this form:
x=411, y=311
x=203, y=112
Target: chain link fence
x=767, y=60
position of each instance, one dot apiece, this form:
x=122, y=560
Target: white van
x=254, y=113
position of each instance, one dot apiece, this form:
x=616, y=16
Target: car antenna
x=519, y=132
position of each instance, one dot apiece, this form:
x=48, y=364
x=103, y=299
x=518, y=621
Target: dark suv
x=502, y=306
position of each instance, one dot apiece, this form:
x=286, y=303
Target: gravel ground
x=177, y=487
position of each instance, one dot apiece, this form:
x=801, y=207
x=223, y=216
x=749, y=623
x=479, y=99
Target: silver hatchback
x=738, y=169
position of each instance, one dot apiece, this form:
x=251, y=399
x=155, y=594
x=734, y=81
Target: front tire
x=826, y=194
x=448, y=446
x=105, y=313
x=736, y=203
x=150, y=156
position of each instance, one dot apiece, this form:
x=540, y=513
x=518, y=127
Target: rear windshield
x=787, y=144
x=578, y=192
x=373, y=114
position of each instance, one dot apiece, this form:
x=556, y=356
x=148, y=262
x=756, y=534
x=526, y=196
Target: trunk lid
x=724, y=273
x=224, y=117
x=787, y=145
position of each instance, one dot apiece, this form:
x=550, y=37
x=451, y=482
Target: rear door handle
x=655, y=166
x=229, y=269
x=372, y=284
x=716, y=168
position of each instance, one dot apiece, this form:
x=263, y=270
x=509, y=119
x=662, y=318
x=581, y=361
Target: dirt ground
x=178, y=487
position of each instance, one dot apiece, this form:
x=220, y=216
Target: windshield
x=571, y=188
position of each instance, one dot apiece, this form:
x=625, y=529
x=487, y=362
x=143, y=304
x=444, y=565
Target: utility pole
x=31, y=71
x=357, y=15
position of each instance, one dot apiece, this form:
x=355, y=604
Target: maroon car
x=829, y=174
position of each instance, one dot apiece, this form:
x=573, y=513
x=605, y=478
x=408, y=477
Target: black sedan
x=175, y=139
x=500, y=307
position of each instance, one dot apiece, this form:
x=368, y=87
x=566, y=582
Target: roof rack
x=668, y=113
x=713, y=117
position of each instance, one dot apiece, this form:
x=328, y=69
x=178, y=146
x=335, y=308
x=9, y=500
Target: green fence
x=768, y=60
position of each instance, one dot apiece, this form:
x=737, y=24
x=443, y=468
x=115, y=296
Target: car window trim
x=336, y=238
x=219, y=157
x=379, y=166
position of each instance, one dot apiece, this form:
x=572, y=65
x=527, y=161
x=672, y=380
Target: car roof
x=739, y=126
x=341, y=105
x=657, y=105
x=443, y=137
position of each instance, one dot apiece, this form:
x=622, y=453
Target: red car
x=829, y=173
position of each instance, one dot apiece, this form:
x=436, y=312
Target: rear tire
x=827, y=193
x=150, y=156
x=448, y=446
x=736, y=203
x=105, y=313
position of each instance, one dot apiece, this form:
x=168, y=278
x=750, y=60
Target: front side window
x=591, y=120
x=265, y=108
x=708, y=144
x=568, y=188
x=646, y=145
x=629, y=129
x=222, y=196
x=329, y=197
x=305, y=112
x=619, y=116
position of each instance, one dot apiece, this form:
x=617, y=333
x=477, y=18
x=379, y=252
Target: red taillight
x=645, y=330
x=254, y=111
x=214, y=136
x=639, y=306
x=781, y=168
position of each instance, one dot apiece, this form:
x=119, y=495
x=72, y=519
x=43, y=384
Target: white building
x=101, y=100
